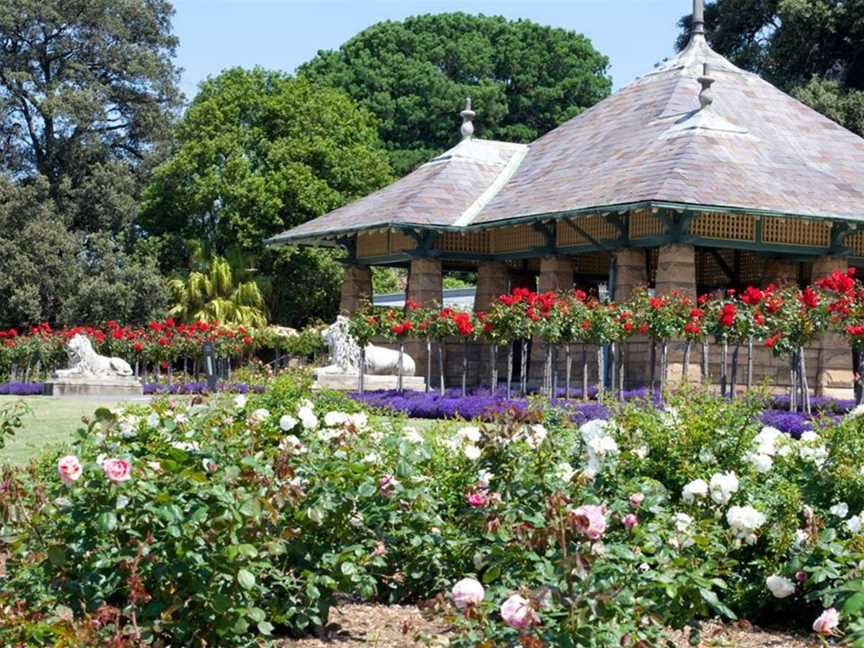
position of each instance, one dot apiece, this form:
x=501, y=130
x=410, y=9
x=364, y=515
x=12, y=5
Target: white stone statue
x=345, y=354
x=84, y=362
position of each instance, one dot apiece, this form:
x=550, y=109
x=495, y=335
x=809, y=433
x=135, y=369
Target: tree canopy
x=809, y=48
x=258, y=152
x=524, y=79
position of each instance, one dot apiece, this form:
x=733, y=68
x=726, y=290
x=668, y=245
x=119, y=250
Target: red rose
x=809, y=298
x=138, y=347
x=164, y=341
x=247, y=340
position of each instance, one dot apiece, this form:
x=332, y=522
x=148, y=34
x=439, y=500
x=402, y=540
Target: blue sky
x=282, y=34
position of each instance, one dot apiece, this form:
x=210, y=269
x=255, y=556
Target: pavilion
x=697, y=175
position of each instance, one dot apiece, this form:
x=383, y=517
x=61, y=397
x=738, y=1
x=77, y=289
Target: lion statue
x=85, y=362
x=345, y=354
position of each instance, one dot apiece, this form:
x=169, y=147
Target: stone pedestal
x=75, y=387
x=493, y=280
x=351, y=382
x=356, y=289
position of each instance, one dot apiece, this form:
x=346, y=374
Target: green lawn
x=52, y=422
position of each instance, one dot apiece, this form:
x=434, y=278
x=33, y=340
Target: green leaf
x=854, y=604
x=57, y=555
x=106, y=521
x=256, y=614
x=246, y=579
x=714, y=602
x=348, y=568
x=265, y=628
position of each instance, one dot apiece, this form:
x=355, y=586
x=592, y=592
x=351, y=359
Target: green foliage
x=214, y=296
x=305, y=284
x=11, y=420
x=524, y=79
x=259, y=152
x=802, y=46
x=385, y=280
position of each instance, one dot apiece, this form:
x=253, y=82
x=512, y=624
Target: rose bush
x=230, y=519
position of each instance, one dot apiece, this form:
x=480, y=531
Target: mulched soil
x=395, y=626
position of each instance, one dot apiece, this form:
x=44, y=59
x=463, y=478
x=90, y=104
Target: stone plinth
x=780, y=271
x=356, y=289
x=351, y=382
x=102, y=387
x=630, y=273
x=556, y=273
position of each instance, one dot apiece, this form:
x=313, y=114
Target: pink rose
x=589, y=520
x=69, y=468
x=827, y=622
x=517, y=613
x=630, y=520
x=468, y=592
x=477, y=499
x=117, y=470
x=636, y=500
x=387, y=485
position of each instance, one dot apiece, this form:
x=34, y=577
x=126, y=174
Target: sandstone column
x=631, y=273
x=356, y=289
x=835, y=375
x=676, y=271
x=780, y=271
x=493, y=279
x=425, y=287
x=556, y=273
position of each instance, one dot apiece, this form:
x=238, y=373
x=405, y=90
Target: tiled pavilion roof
x=669, y=138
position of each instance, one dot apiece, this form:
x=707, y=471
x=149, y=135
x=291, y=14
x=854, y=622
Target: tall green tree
x=812, y=49
x=87, y=90
x=259, y=152
x=414, y=75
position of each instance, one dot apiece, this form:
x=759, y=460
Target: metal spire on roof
x=467, y=120
x=706, y=95
x=698, y=18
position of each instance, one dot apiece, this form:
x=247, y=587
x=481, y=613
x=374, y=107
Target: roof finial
x=698, y=18
x=706, y=96
x=467, y=119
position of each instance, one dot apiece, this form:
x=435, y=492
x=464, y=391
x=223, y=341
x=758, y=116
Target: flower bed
x=486, y=405
x=233, y=520
x=20, y=389
x=150, y=389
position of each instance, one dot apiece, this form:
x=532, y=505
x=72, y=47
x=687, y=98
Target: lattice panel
x=789, y=231
x=596, y=226
x=592, y=264
x=749, y=264
x=856, y=242
x=471, y=242
x=642, y=224
x=516, y=239
x=375, y=244
x=727, y=227
x=401, y=242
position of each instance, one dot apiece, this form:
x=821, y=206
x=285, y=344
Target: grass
x=52, y=422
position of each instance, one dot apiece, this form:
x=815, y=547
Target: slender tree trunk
x=612, y=363
x=749, y=364
x=136, y=367
x=510, y=370
x=568, y=367
x=805, y=388
x=706, y=374
x=652, y=361
x=556, y=354
x=664, y=365
x=399, y=373
x=793, y=382
x=428, y=365
x=525, y=368
x=362, y=368
x=547, y=372
x=600, y=385
x=724, y=352
x=584, y=372
x=685, y=369
x=734, y=376
x=464, y=369
x=621, y=382
x=493, y=359
x=441, y=365
x=859, y=382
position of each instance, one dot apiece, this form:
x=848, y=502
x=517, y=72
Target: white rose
x=153, y=420
x=696, y=489
x=472, y=452
x=470, y=433
x=780, y=586
x=841, y=510
x=564, y=471
x=412, y=435
x=335, y=419
x=240, y=401
x=260, y=415
x=722, y=486
x=745, y=521
x=809, y=436
x=761, y=462
x=854, y=523
x=307, y=417
x=287, y=423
